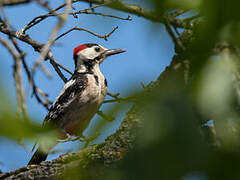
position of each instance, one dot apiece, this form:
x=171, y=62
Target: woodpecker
x=80, y=97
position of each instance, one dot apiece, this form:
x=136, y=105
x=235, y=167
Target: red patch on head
x=79, y=48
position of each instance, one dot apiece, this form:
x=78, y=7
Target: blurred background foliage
x=190, y=127
x=190, y=123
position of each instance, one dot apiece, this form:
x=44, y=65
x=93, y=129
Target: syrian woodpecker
x=80, y=97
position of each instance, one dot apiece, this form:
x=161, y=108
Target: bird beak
x=110, y=52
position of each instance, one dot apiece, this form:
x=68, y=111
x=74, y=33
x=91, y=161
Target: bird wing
x=71, y=90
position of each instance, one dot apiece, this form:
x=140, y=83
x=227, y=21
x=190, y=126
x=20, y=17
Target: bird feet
x=70, y=138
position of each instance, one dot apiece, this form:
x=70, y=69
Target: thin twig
x=30, y=78
x=22, y=56
x=55, y=66
x=106, y=117
x=143, y=85
x=27, y=39
x=61, y=66
x=176, y=30
x=192, y=18
x=113, y=95
x=100, y=14
x=40, y=18
x=46, y=48
x=176, y=40
x=130, y=99
x=105, y=37
x=178, y=12
x=43, y=68
x=5, y=20
x=119, y=99
x=52, y=13
x=21, y=107
x=34, y=87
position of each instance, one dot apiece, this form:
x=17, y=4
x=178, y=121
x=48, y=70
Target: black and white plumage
x=80, y=97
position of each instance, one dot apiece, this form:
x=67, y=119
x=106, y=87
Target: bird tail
x=38, y=157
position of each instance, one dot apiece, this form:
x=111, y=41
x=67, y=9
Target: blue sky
x=149, y=51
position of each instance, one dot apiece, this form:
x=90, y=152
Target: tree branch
x=129, y=8
x=176, y=40
x=82, y=29
x=13, y=2
x=21, y=106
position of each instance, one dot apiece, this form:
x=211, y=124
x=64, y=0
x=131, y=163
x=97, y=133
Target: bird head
x=92, y=54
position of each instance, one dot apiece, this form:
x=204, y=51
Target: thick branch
x=145, y=13
x=129, y=8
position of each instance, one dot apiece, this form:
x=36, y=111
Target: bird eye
x=97, y=49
